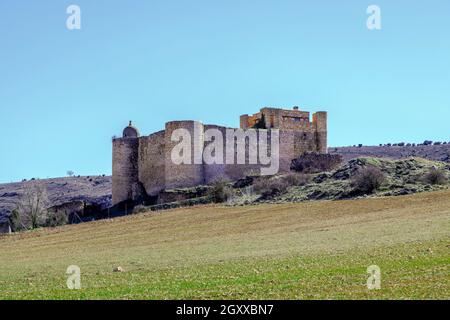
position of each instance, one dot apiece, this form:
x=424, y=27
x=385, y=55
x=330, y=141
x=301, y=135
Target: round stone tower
x=125, y=180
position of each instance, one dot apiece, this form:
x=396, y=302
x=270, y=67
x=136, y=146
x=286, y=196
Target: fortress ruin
x=143, y=164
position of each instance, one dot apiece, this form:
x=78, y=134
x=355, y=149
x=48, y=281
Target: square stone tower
x=313, y=133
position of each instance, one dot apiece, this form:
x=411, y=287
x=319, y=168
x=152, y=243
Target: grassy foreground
x=313, y=250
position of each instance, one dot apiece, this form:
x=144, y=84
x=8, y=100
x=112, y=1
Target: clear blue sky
x=64, y=94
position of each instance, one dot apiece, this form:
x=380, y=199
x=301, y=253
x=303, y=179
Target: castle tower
x=320, y=125
x=125, y=178
x=185, y=174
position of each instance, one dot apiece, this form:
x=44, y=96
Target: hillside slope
x=305, y=250
x=95, y=190
x=430, y=152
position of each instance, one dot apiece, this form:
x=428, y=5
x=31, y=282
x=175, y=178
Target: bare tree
x=70, y=173
x=31, y=211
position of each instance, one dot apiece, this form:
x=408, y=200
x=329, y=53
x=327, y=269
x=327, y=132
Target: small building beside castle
x=144, y=164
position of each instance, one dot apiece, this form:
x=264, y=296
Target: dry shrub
x=270, y=187
x=56, y=218
x=220, y=190
x=435, y=177
x=367, y=180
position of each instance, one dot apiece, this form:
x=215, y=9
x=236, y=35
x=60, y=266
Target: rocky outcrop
x=403, y=176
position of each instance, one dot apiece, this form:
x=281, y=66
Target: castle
x=144, y=164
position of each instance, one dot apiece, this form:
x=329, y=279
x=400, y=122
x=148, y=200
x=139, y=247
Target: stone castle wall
x=184, y=175
x=145, y=163
x=212, y=171
x=152, y=164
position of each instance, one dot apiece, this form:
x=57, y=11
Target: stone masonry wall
x=184, y=175
x=213, y=171
x=152, y=162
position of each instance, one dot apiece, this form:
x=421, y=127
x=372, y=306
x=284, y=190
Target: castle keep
x=144, y=164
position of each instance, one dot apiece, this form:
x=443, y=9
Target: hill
x=94, y=191
x=309, y=250
x=402, y=176
x=430, y=152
